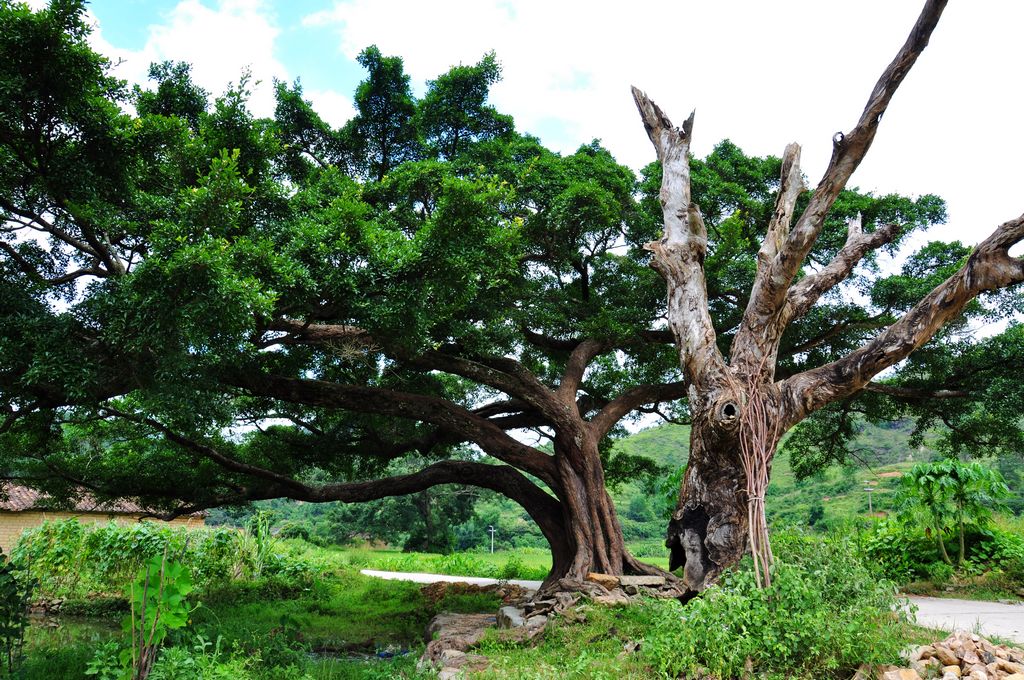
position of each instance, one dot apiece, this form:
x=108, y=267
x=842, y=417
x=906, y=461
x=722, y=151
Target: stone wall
x=13, y=523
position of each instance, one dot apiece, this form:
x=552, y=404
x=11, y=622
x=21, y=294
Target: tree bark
x=940, y=539
x=594, y=540
x=709, y=530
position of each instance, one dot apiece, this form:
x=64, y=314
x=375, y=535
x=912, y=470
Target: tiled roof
x=22, y=498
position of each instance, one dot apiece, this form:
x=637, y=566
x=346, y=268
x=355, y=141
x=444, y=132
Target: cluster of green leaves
x=204, y=660
x=948, y=496
x=158, y=601
x=825, y=614
x=905, y=554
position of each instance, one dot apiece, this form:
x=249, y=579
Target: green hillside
x=837, y=495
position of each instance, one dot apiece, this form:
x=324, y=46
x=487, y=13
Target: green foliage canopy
x=203, y=307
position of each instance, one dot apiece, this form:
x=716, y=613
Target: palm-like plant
x=950, y=494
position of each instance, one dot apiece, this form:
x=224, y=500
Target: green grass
x=341, y=615
x=346, y=611
x=592, y=650
x=536, y=562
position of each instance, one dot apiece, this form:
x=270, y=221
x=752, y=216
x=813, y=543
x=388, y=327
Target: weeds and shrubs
x=994, y=559
x=824, y=614
x=159, y=605
x=15, y=593
x=72, y=560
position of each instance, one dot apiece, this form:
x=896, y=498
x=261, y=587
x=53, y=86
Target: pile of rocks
x=530, y=617
x=450, y=636
x=961, y=655
x=618, y=589
x=510, y=593
x=525, y=615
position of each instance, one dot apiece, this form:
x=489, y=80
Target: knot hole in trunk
x=729, y=412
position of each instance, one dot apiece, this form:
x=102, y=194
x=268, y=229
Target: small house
x=25, y=508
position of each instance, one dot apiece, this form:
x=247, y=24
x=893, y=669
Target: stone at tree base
x=952, y=670
x=607, y=581
x=614, y=598
x=448, y=633
x=641, y=580
x=510, y=617
x=456, y=665
x=536, y=623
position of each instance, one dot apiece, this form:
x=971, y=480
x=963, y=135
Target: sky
x=762, y=74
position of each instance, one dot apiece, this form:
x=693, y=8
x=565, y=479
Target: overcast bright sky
x=760, y=73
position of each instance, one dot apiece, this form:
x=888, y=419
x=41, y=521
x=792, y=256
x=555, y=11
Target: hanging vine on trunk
x=759, y=437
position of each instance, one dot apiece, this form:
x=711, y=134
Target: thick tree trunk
x=710, y=529
x=589, y=536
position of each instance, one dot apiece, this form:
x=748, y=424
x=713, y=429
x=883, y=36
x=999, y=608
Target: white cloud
x=221, y=42
x=221, y=39
x=762, y=74
x=334, y=108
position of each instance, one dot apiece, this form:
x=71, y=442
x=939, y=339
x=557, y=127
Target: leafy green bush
x=939, y=573
x=825, y=614
x=15, y=594
x=70, y=559
x=205, y=660
x=897, y=553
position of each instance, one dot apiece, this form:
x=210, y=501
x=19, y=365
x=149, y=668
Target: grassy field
x=523, y=563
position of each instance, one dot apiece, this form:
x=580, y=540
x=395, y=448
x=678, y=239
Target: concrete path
x=437, y=578
x=985, y=618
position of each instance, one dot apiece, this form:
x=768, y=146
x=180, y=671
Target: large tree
x=201, y=307
x=739, y=402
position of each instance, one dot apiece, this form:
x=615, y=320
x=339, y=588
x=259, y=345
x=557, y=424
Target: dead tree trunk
x=710, y=529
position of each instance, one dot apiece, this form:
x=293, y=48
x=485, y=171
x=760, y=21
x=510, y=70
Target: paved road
x=988, y=618
x=436, y=578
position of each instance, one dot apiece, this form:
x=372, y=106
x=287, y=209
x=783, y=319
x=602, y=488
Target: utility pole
x=491, y=529
x=870, y=490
